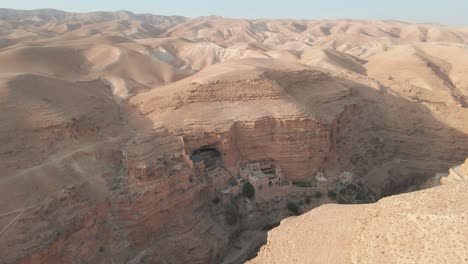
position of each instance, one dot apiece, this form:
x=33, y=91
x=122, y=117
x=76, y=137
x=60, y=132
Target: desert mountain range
x=102, y=114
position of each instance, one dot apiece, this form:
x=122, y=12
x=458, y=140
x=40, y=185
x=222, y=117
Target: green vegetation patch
x=248, y=190
x=304, y=184
x=293, y=208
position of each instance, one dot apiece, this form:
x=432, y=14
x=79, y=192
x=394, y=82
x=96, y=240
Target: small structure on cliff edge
x=322, y=182
x=234, y=189
x=346, y=177
x=261, y=174
x=145, y=171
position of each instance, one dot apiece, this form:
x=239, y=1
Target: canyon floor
x=125, y=137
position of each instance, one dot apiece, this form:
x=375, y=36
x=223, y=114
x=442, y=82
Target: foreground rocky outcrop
x=429, y=226
x=456, y=174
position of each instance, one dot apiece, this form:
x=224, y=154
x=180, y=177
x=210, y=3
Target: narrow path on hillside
x=55, y=159
x=20, y=213
x=60, y=157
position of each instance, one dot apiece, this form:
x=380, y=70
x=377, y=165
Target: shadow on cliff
x=395, y=142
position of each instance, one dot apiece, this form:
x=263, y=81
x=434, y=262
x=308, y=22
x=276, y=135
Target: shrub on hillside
x=292, y=207
x=342, y=201
x=231, y=215
x=303, y=184
x=248, y=190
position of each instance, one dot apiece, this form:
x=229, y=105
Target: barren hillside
x=127, y=138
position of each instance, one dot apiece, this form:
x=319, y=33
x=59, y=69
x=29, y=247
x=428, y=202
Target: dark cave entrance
x=209, y=154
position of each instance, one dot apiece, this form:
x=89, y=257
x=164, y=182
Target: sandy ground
x=422, y=227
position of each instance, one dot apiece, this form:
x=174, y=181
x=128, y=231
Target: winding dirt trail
x=55, y=159
x=20, y=213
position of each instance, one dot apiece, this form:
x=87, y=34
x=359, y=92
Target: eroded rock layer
x=106, y=118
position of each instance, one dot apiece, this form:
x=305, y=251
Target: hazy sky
x=453, y=12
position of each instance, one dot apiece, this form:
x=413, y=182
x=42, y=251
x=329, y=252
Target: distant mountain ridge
x=37, y=24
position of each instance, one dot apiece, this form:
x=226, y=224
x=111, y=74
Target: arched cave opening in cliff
x=209, y=154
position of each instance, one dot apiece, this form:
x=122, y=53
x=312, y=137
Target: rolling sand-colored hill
x=102, y=113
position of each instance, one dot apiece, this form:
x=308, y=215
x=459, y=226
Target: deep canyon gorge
x=125, y=136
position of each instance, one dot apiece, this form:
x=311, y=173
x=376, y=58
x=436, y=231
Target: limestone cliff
x=456, y=174
x=103, y=115
x=428, y=226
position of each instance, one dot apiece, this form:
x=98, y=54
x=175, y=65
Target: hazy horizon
x=450, y=12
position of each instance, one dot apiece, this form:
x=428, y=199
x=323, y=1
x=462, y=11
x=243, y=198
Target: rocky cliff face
x=456, y=174
x=428, y=226
x=100, y=119
x=152, y=204
x=402, y=142
x=299, y=147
